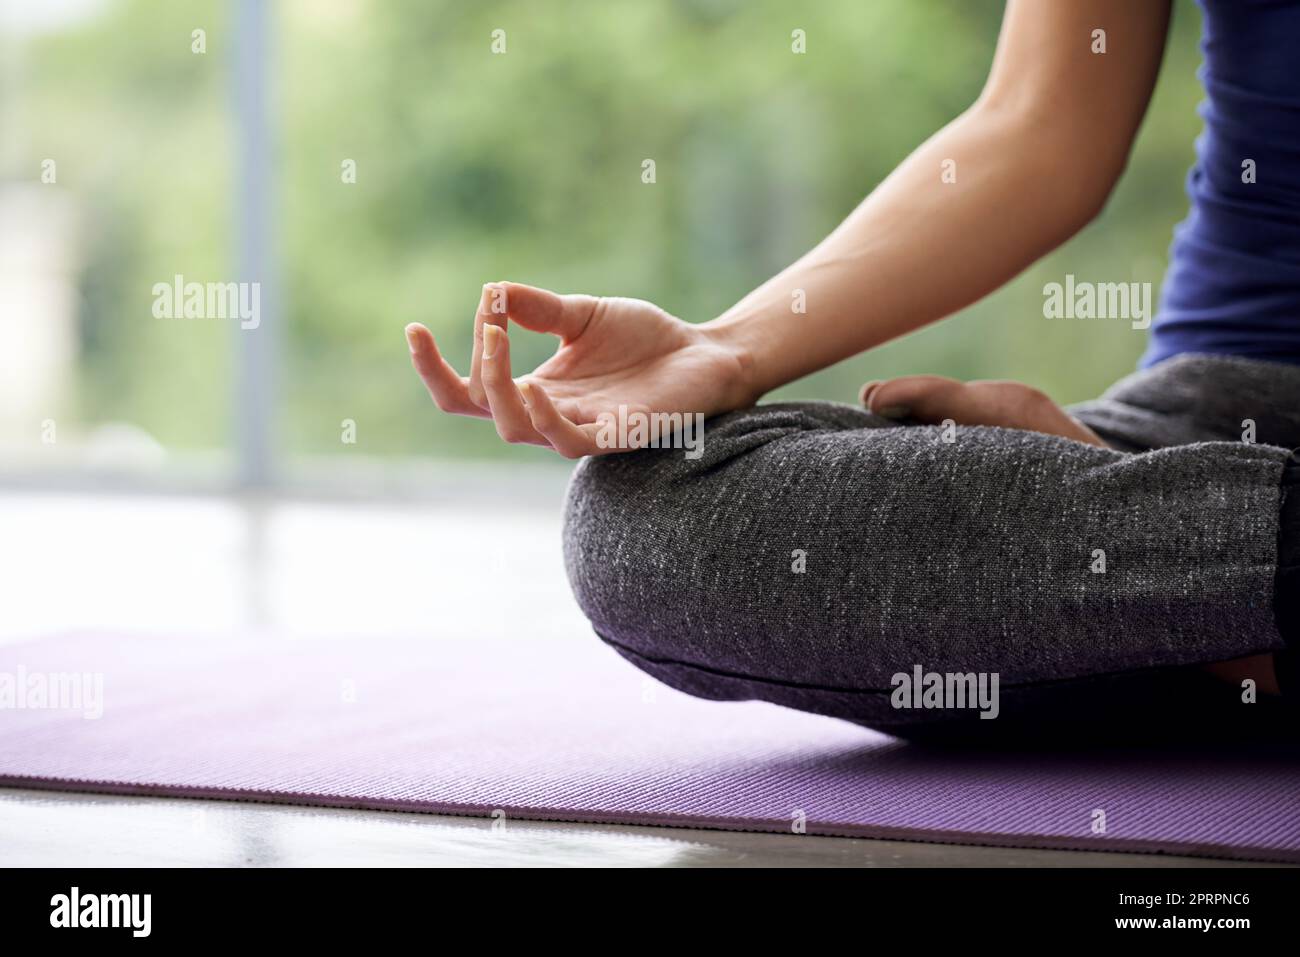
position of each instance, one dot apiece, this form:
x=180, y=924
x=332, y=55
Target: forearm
x=919, y=248
x=1029, y=165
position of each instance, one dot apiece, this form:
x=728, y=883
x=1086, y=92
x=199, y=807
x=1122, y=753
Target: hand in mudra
x=613, y=352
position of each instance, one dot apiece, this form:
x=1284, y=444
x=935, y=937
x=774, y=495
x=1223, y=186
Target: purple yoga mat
x=568, y=731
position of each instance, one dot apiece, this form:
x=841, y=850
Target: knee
x=622, y=516
x=690, y=559
x=695, y=570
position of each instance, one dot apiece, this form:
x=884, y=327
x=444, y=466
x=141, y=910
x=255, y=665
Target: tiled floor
x=215, y=565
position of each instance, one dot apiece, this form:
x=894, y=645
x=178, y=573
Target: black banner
x=924, y=905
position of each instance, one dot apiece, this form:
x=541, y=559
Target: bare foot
x=1013, y=405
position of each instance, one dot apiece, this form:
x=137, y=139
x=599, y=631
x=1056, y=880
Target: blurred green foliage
x=473, y=167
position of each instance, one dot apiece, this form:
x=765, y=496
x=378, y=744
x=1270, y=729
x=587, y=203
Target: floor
x=46, y=829
x=213, y=565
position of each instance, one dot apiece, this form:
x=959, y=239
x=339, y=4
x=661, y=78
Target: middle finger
x=507, y=405
x=492, y=308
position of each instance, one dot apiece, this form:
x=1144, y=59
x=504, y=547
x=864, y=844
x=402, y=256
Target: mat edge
x=1020, y=841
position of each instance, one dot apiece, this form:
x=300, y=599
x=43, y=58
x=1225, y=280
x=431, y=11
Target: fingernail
x=494, y=300
x=526, y=390
x=894, y=412
x=412, y=331
x=490, y=334
x=865, y=392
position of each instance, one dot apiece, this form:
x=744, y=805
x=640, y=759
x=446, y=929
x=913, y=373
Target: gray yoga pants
x=815, y=551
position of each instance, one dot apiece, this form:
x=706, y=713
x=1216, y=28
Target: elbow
x=1068, y=166
x=1095, y=180
x=1079, y=210
x=1074, y=176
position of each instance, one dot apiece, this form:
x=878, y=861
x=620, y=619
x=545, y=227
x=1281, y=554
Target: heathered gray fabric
x=970, y=555
x=1196, y=398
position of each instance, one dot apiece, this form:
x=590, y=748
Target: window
x=372, y=164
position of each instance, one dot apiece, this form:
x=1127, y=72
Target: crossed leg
x=815, y=551
x=1015, y=405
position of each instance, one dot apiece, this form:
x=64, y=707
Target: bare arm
x=1028, y=165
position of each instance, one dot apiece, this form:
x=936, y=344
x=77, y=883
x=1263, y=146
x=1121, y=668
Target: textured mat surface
x=570, y=732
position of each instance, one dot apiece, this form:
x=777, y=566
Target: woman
x=1092, y=561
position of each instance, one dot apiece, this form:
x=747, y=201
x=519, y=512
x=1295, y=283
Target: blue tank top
x=1233, y=285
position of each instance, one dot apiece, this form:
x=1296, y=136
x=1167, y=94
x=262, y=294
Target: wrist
x=741, y=387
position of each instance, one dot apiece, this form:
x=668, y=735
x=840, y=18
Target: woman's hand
x=613, y=352
x=1013, y=405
